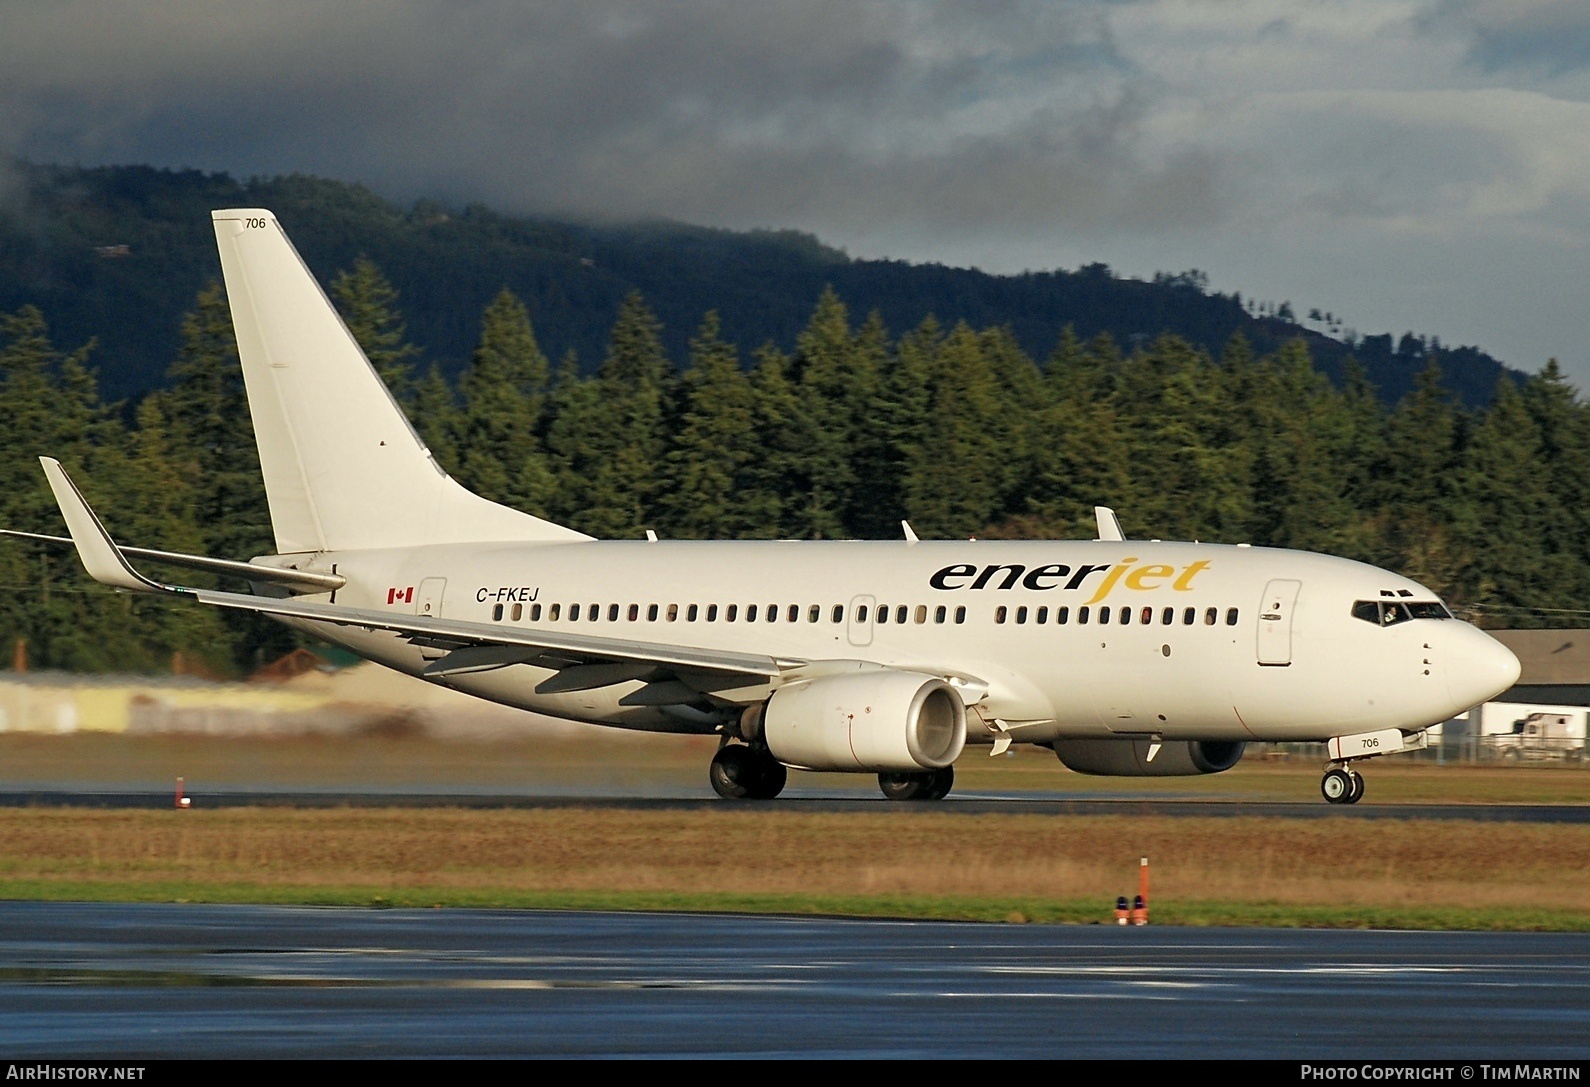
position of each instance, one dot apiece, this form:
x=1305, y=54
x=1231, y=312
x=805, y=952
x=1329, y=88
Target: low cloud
x=1283, y=145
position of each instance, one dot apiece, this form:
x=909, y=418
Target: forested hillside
x=118, y=254
x=952, y=425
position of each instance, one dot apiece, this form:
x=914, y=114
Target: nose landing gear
x=1342, y=785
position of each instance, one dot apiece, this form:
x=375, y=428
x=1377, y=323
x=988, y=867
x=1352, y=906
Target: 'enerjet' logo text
x=1056, y=575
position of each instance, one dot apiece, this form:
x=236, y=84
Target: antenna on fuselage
x=910, y=533
x=1109, y=525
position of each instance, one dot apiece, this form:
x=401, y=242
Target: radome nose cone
x=1481, y=668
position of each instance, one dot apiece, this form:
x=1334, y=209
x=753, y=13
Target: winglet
x=1109, y=526
x=101, y=557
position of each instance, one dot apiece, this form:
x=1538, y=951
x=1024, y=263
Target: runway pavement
x=970, y=803
x=133, y=981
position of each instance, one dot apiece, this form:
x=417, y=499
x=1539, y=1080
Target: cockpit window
x=1388, y=613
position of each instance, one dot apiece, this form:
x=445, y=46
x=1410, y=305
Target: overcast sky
x=1407, y=164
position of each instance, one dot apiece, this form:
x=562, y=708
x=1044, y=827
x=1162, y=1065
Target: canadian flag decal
x=400, y=596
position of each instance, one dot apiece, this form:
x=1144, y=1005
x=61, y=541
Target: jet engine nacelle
x=1129, y=758
x=869, y=721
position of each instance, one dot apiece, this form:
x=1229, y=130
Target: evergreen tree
x=1079, y=451
x=955, y=475
x=710, y=469
x=496, y=428
x=209, y=432
x=1502, y=509
x=435, y=413
x=369, y=307
x=834, y=382
x=608, y=435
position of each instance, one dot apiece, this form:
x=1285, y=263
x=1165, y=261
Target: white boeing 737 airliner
x=1125, y=657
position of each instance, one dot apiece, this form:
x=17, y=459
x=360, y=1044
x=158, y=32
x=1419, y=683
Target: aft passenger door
x=1275, y=622
x=429, y=599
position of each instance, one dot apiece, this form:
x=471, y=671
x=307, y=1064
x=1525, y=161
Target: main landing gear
x=927, y=785
x=1342, y=785
x=746, y=772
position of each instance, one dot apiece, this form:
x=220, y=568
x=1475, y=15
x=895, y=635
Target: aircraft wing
x=584, y=662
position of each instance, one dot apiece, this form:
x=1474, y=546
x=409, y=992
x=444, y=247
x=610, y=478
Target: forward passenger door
x=1275, y=622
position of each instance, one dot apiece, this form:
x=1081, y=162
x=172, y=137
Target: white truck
x=1521, y=731
x=1542, y=736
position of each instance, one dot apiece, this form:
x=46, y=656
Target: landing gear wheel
x=943, y=782
x=1337, y=787
x=1358, y=787
x=739, y=772
x=923, y=785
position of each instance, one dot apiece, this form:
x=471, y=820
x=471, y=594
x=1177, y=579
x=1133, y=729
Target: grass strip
x=902, y=907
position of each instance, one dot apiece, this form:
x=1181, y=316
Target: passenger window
x=1042, y=617
x=730, y=612
x=1082, y=615
x=651, y=614
x=750, y=613
x=1209, y=616
x=1231, y=617
x=772, y=613
x=794, y=615
x=1021, y=614
x=673, y=613
x=612, y=613
x=883, y=613
x=552, y=612
x=900, y=613
x=999, y=614
x=1188, y=616
x=839, y=613
x=960, y=614
x=1062, y=615
x=574, y=613
x=1126, y=615
x=1104, y=615
x=1168, y=618
x=712, y=613
x=690, y=614
x=535, y=613
x=920, y=615
x=1147, y=617
x=861, y=613
x=496, y=613
x=517, y=612
x=634, y=612
x=939, y=613
x=814, y=613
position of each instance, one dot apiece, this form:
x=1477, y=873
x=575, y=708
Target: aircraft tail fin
x=343, y=468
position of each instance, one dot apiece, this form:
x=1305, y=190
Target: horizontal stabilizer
x=303, y=580
x=100, y=556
